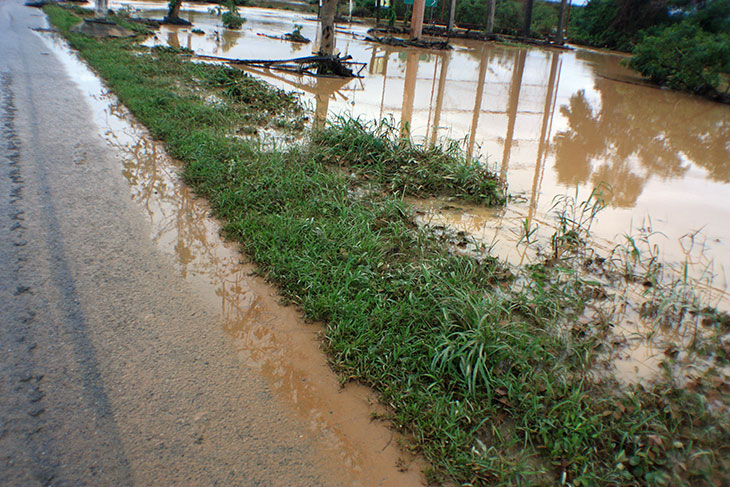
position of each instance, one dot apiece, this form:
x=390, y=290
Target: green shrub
x=616, y=24
x=685, y=57
x=231, y=19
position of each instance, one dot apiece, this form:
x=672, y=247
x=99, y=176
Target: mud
x=269, y=338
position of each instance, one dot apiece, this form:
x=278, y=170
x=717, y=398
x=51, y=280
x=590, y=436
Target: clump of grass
x=486, y=376
x=377, y=152
x=242, y=88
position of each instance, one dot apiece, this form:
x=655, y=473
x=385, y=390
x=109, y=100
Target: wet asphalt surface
x=112, y=370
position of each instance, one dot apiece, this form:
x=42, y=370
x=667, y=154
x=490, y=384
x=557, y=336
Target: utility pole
x=491, y=7
x=528, y=18
x=327, y=27
x=419, y=7
x=452, y=15
x=560, y=37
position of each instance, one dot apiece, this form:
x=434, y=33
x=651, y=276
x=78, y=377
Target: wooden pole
x=174, y=11
x=419, y=8
x=478, y=100
x=327, y=27
x=491, y=7
x=377, y=13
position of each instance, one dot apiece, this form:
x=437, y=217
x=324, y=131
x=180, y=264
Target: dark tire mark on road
x=25, y=455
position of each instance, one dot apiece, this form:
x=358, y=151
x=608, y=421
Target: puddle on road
x=269, y=337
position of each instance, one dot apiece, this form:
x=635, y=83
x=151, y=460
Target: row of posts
x=419, y=7
x=329, y=7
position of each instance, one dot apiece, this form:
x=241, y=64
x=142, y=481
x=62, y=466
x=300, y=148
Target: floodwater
x=269, y=337
x=550, y=122
x=547, y=121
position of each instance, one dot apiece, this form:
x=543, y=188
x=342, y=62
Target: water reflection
x=626, y=140
x=548, y=121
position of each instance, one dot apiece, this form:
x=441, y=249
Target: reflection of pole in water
x=445, y=57
x=430, y=100
x=320, y=112
x=484, y=61
x=172, y=39
x=514, y=100
x=379, y=65
x=409, y=92
x=547, y=115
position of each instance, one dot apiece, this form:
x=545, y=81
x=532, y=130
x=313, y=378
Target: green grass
x=378, y=153
x=489, y=376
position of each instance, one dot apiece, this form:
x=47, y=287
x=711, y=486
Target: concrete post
x=102, y=7
x=452, y=15
x=419, y=8
x=491, y=7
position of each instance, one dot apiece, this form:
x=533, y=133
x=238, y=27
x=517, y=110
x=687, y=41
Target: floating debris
x=327, y=66
x=291, y=37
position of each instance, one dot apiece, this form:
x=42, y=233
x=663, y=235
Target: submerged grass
x=378, y=152
x=491, y=380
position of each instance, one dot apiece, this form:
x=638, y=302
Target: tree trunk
x=327, y=27
x=528, y=18
x=560, y=37
x=174, y=11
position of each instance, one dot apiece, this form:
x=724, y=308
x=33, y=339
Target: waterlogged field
x=499, y=373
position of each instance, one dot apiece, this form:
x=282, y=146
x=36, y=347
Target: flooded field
x=551, y=123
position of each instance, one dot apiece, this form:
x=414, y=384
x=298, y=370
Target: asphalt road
x=112, y=369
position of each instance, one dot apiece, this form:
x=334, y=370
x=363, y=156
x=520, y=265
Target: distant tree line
x=682, y=44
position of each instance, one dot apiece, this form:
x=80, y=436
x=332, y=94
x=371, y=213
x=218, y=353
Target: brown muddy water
x=551, y=123
x=269, y=337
